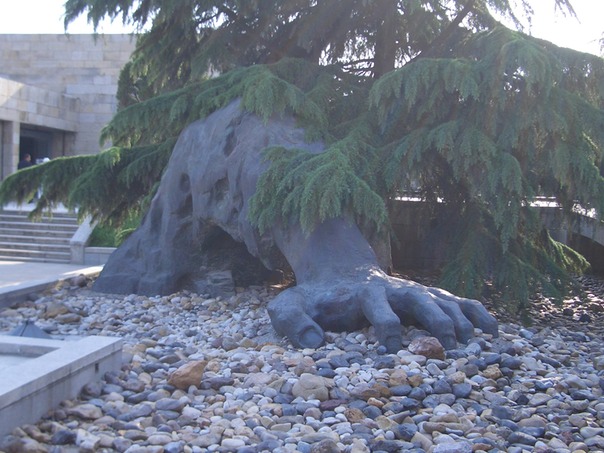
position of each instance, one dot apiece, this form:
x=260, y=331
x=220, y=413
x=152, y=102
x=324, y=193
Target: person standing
x=25, y=162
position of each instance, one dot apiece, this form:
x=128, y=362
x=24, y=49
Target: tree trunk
x=385, y=42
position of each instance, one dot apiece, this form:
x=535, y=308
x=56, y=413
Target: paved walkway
x=18, y=279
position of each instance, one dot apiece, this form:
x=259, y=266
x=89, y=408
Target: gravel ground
x=202, y=374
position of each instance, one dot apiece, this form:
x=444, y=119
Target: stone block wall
x=84, y=68
x=26, y=104
x=33, y=105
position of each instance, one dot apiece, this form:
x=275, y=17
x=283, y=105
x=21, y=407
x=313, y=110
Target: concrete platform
x=48, y=372
x=18, y=279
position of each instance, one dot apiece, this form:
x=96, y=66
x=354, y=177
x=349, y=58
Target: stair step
x=26, y=213
x=23, y=218
x=37, y=259
x=32, y=255
x=51, y=247
x=38, y=226
x=22, y=235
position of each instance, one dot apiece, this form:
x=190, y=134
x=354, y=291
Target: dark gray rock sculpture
x=197, y=230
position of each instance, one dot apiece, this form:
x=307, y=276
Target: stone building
x=56, y=93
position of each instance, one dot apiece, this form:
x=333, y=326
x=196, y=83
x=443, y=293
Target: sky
x=582, y=33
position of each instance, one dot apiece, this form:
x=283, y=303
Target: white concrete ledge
x=79, y=240
x=55, y=371
x=97, y=256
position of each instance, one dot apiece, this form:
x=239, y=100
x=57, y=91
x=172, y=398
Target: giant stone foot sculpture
x=198, y=222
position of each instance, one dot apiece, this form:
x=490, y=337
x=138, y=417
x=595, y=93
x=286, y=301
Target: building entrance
x=36, y=143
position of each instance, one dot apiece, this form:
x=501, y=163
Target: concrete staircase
x=46, y=240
